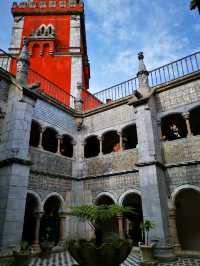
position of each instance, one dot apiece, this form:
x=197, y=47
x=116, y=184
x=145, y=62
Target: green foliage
x=195, y=4
x=24, y=246
x=146, y=227
x=100, y=213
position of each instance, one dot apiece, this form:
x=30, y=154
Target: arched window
x=50, y=30
x=36, y=50
x=42, y=30
x=49, y=140
x=66, y=146
x=129, y=137
x=195, y=121
x=173, y=127
x=110, y=142
x=92, y=147
x=35, y=134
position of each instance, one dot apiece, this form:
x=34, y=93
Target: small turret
x=23, y=64
x=143, y=75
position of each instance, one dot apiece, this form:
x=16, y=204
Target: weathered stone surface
x=111, y=163
x=44, y=185
x=182, y=150
x=50, y=163
x=179, y=96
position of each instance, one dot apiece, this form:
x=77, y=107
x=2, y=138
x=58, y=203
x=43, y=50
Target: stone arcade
x=136, y=144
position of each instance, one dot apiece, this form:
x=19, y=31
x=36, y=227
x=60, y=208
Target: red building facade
x=57, y=42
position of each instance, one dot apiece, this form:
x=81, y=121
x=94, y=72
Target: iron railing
x=159, y=76
x=52, y=90
x=174, y=70
x=47, y=87
x=5, y=59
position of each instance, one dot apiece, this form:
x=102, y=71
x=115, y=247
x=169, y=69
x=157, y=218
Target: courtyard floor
x=64, y=259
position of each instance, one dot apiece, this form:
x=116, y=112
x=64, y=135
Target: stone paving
x=64, y=259
x=183, y=262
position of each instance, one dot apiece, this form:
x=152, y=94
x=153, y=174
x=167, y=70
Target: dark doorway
x=195, y=121
x=129, y=137
x=132, y=222
x=92, y=147
x=50, y=224
x=29, y=219
x=110, y=140
x=66, y=146
x=35, y=134
x=188, y=219
x=49, y=140
x=110, y=227
x=173, y=127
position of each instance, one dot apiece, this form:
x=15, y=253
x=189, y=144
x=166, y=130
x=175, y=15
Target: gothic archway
x=187, y=204
x=132, y=221
x=50, y=223
x=32, y=206
x=109, y=228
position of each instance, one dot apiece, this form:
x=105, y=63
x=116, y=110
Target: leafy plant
x=146, y=227
x=24, y=246
x=94, y=214
x=195, y=4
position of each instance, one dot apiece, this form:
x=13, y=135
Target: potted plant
x=147, y=247
x=99, y=251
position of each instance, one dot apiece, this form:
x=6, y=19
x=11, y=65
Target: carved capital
x=186, y=115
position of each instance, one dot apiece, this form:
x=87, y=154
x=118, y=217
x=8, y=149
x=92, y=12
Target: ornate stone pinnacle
x=142, y=76
x=142, y=68
x=23, y=64
x=140, y=56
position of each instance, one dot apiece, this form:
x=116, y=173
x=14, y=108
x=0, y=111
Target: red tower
x=57, y=40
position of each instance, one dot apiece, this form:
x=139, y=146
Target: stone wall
x=48, y=115
x=4, y=88
x=116, y=185
x=44, y=185
x=181, y=150
x=112, y=163
x=115, y=118
x=188, y=174
x=179, y=96
x=50, y=163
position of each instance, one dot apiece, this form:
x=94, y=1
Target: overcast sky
x=118, y=29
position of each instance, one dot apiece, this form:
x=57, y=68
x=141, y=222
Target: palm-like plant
x=146, y=227
x=94, y=215
x=195, y=4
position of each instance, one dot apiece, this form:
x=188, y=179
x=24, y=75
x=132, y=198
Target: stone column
x=36, y=245
x=120, y=226
x=23, y=64
x=59, y=137
x=15, y=166
x=62, y=216
x=100, y=145
x=173, y=229
x=42, y=129
x=153, y=183
x=74, y=143
x=186, y=116
x=120, y=140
